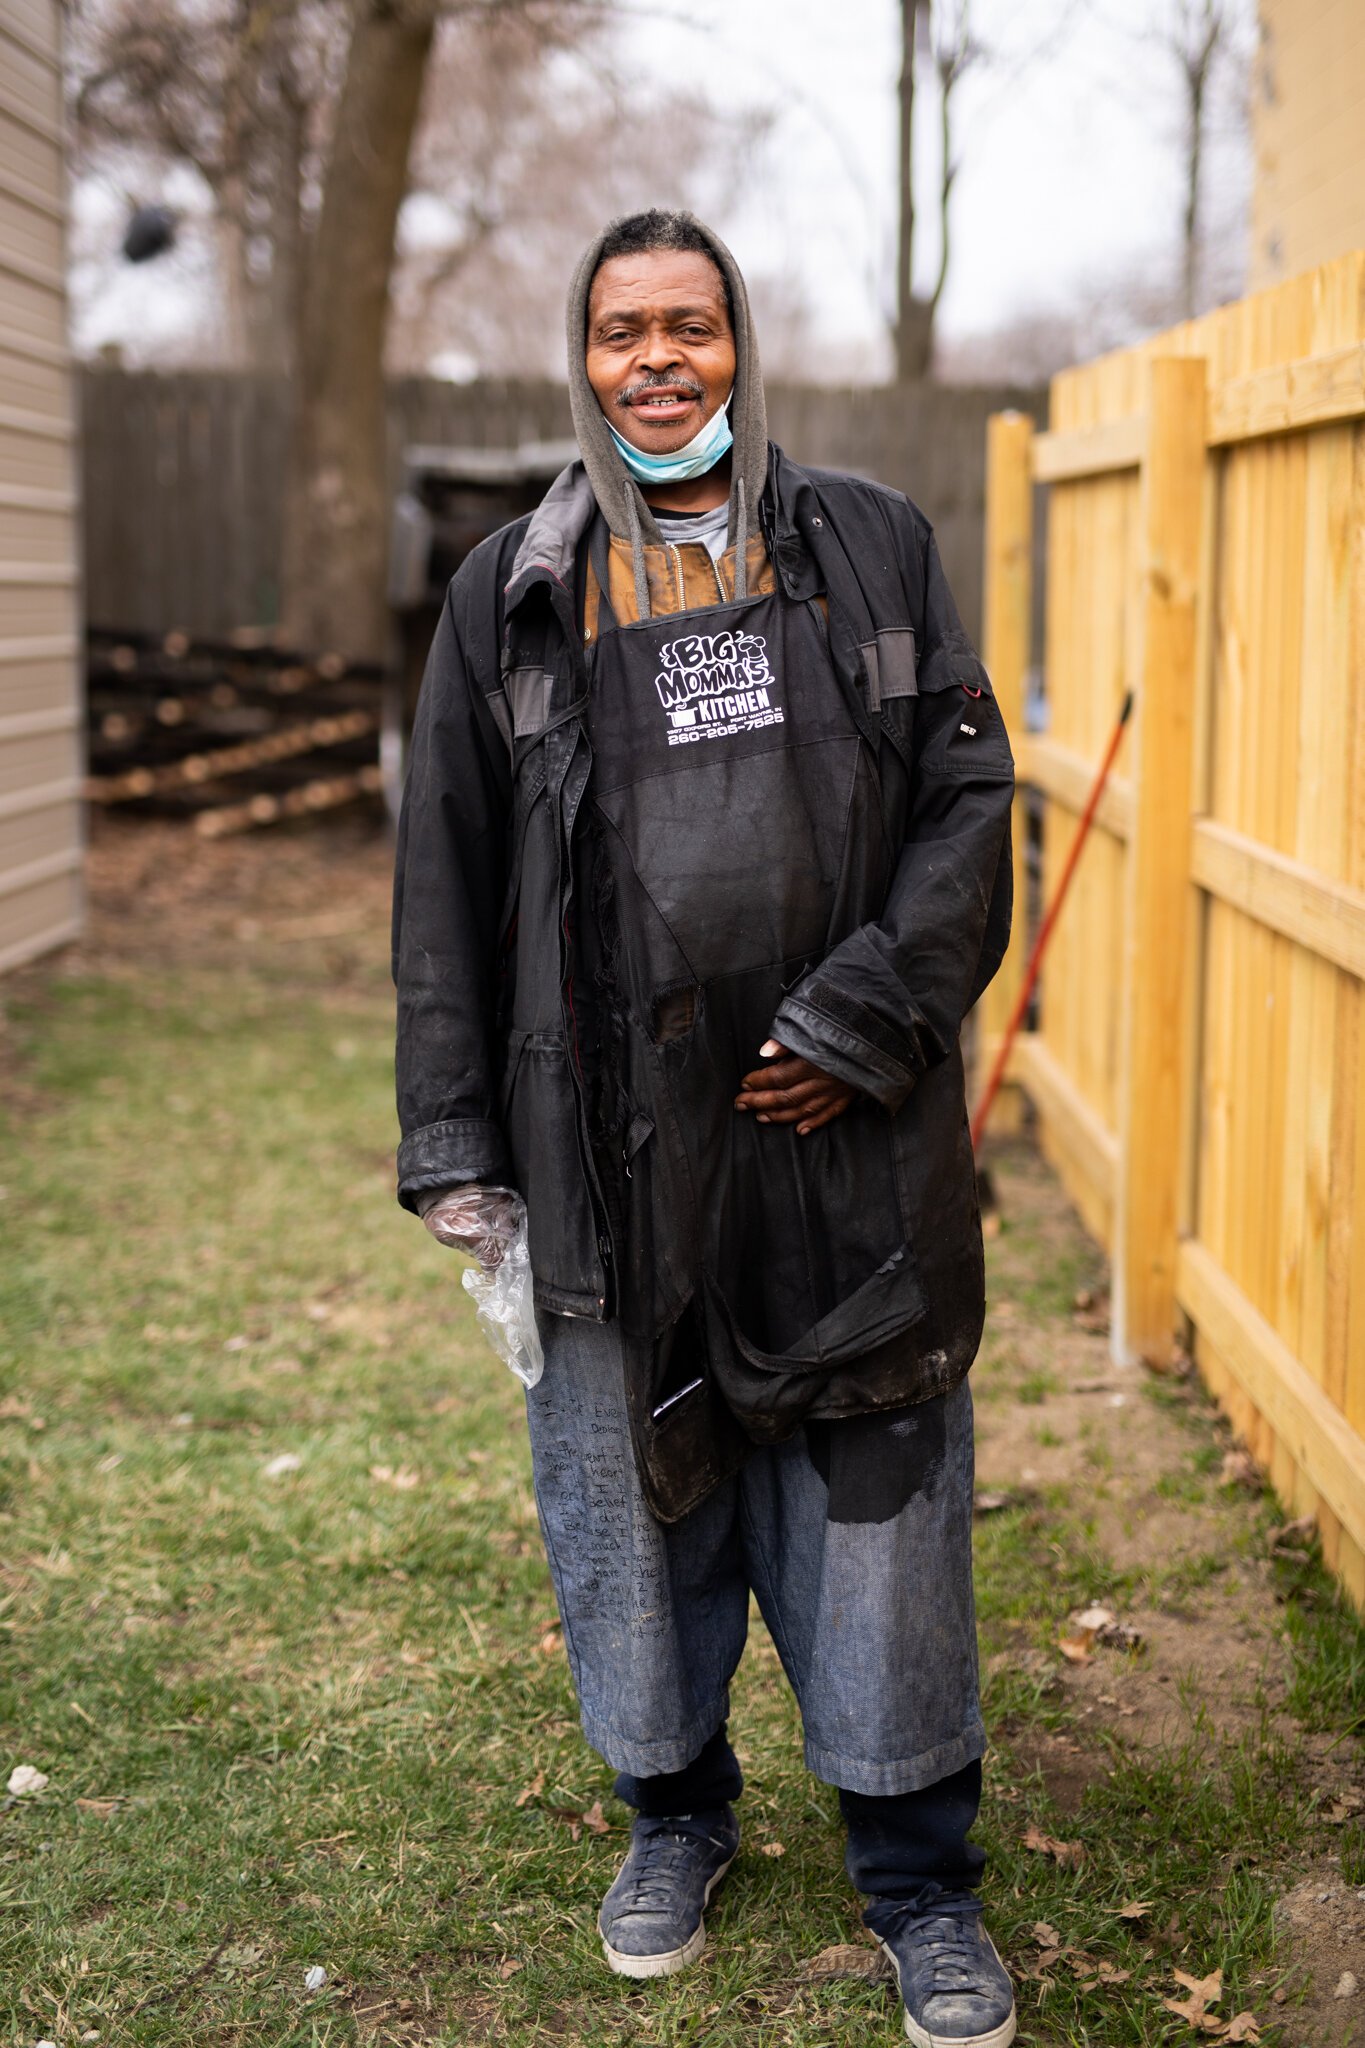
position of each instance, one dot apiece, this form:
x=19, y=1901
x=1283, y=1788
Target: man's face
x=661, y=351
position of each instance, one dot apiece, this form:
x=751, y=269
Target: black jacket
x=528, y=1057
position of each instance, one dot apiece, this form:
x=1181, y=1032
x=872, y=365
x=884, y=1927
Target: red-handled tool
x=983, y=1108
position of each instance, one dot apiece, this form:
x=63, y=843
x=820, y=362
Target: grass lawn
x=277, y=1627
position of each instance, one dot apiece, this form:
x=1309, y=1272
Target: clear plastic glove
x=490, y=1224
x=478, y=1220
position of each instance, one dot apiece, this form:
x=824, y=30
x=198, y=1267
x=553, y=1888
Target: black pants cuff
x=713, y=1778
x=915, y=1844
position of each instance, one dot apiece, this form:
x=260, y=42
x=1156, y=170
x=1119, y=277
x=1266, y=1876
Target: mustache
x=659, y=381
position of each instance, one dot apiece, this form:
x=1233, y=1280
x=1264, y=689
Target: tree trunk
x=1189, y=269
x=262, y=300
x=336, y=511
x=914, y=320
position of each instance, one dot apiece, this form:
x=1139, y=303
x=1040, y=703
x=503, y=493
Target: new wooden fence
x=1199, y=1065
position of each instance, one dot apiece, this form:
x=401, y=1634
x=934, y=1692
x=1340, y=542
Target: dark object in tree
x=150, y=232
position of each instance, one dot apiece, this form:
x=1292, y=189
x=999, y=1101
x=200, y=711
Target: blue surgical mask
x=701, y=453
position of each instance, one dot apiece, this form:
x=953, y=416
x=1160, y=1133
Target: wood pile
x=234, y=734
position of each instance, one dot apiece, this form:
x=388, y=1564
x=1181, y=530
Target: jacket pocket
x=880, y=1309
x=772, y=1393
x=540, y=1117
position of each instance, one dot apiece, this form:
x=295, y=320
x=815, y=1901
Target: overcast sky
x=1069, y=133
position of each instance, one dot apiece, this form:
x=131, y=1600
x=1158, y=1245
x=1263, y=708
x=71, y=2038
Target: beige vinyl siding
x=1309, y=126
x=40, y=698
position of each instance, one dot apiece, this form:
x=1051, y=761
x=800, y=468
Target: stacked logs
x=235, y=734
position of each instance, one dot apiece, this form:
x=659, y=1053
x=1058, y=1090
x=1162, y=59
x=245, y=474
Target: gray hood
x=616, y=491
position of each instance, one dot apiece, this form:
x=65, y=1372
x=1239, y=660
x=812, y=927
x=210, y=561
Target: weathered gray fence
x=183, y=474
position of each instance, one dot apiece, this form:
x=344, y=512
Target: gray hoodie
x=614, y=488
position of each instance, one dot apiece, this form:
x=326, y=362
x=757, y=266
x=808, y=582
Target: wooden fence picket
x=1198, y=1070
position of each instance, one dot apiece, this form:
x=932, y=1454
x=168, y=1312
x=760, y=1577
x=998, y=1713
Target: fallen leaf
x=102, y=1807
x=1290, y=1537
x=1243, y=2028
x=1239, y=1469
x=1135, y=1909
x=509, y=1968
x=1204, y=1992
x=844, y=1960
x=551, y=1642
x=1076, y=1649
x=774, y=1849
x=1045, y=1936
x=1069, y=1855
x=571, y=1817
x=1109, y=1975
x=1175, y=1364
x=595, y=1820
x=1209, y=1989
x=286, y=1461
x=25, y=1781
x=531, y=1791
x=1344, y=1804
x=242, y=1955
x=1038, y=1973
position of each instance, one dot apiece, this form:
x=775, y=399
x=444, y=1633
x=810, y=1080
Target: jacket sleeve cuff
x=446, y=1155
x=840, y=1048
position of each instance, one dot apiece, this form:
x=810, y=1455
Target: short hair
x=638, y=234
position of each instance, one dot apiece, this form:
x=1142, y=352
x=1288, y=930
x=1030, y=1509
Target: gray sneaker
x=651, y=1920
x=954, y=1987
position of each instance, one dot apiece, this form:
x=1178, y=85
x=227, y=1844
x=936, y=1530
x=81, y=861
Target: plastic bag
x=503, y=1299
x=490, y=1224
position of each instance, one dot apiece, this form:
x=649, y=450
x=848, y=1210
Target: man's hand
x=477, y=1220
x=791, y=1091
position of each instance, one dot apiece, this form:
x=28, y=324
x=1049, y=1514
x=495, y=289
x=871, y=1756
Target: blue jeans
x=855, y=1537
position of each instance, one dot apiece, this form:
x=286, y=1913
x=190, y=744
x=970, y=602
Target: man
x=704, y=857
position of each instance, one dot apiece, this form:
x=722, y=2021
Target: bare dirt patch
x=1061, y=1417
x=1323, y=1922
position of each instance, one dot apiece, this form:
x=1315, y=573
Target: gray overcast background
x=1069, y=134
x=1070, y=150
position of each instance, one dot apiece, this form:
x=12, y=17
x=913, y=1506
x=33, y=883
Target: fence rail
x=183, y=483
x=1199, y=1066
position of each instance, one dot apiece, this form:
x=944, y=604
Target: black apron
x=739, y=834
